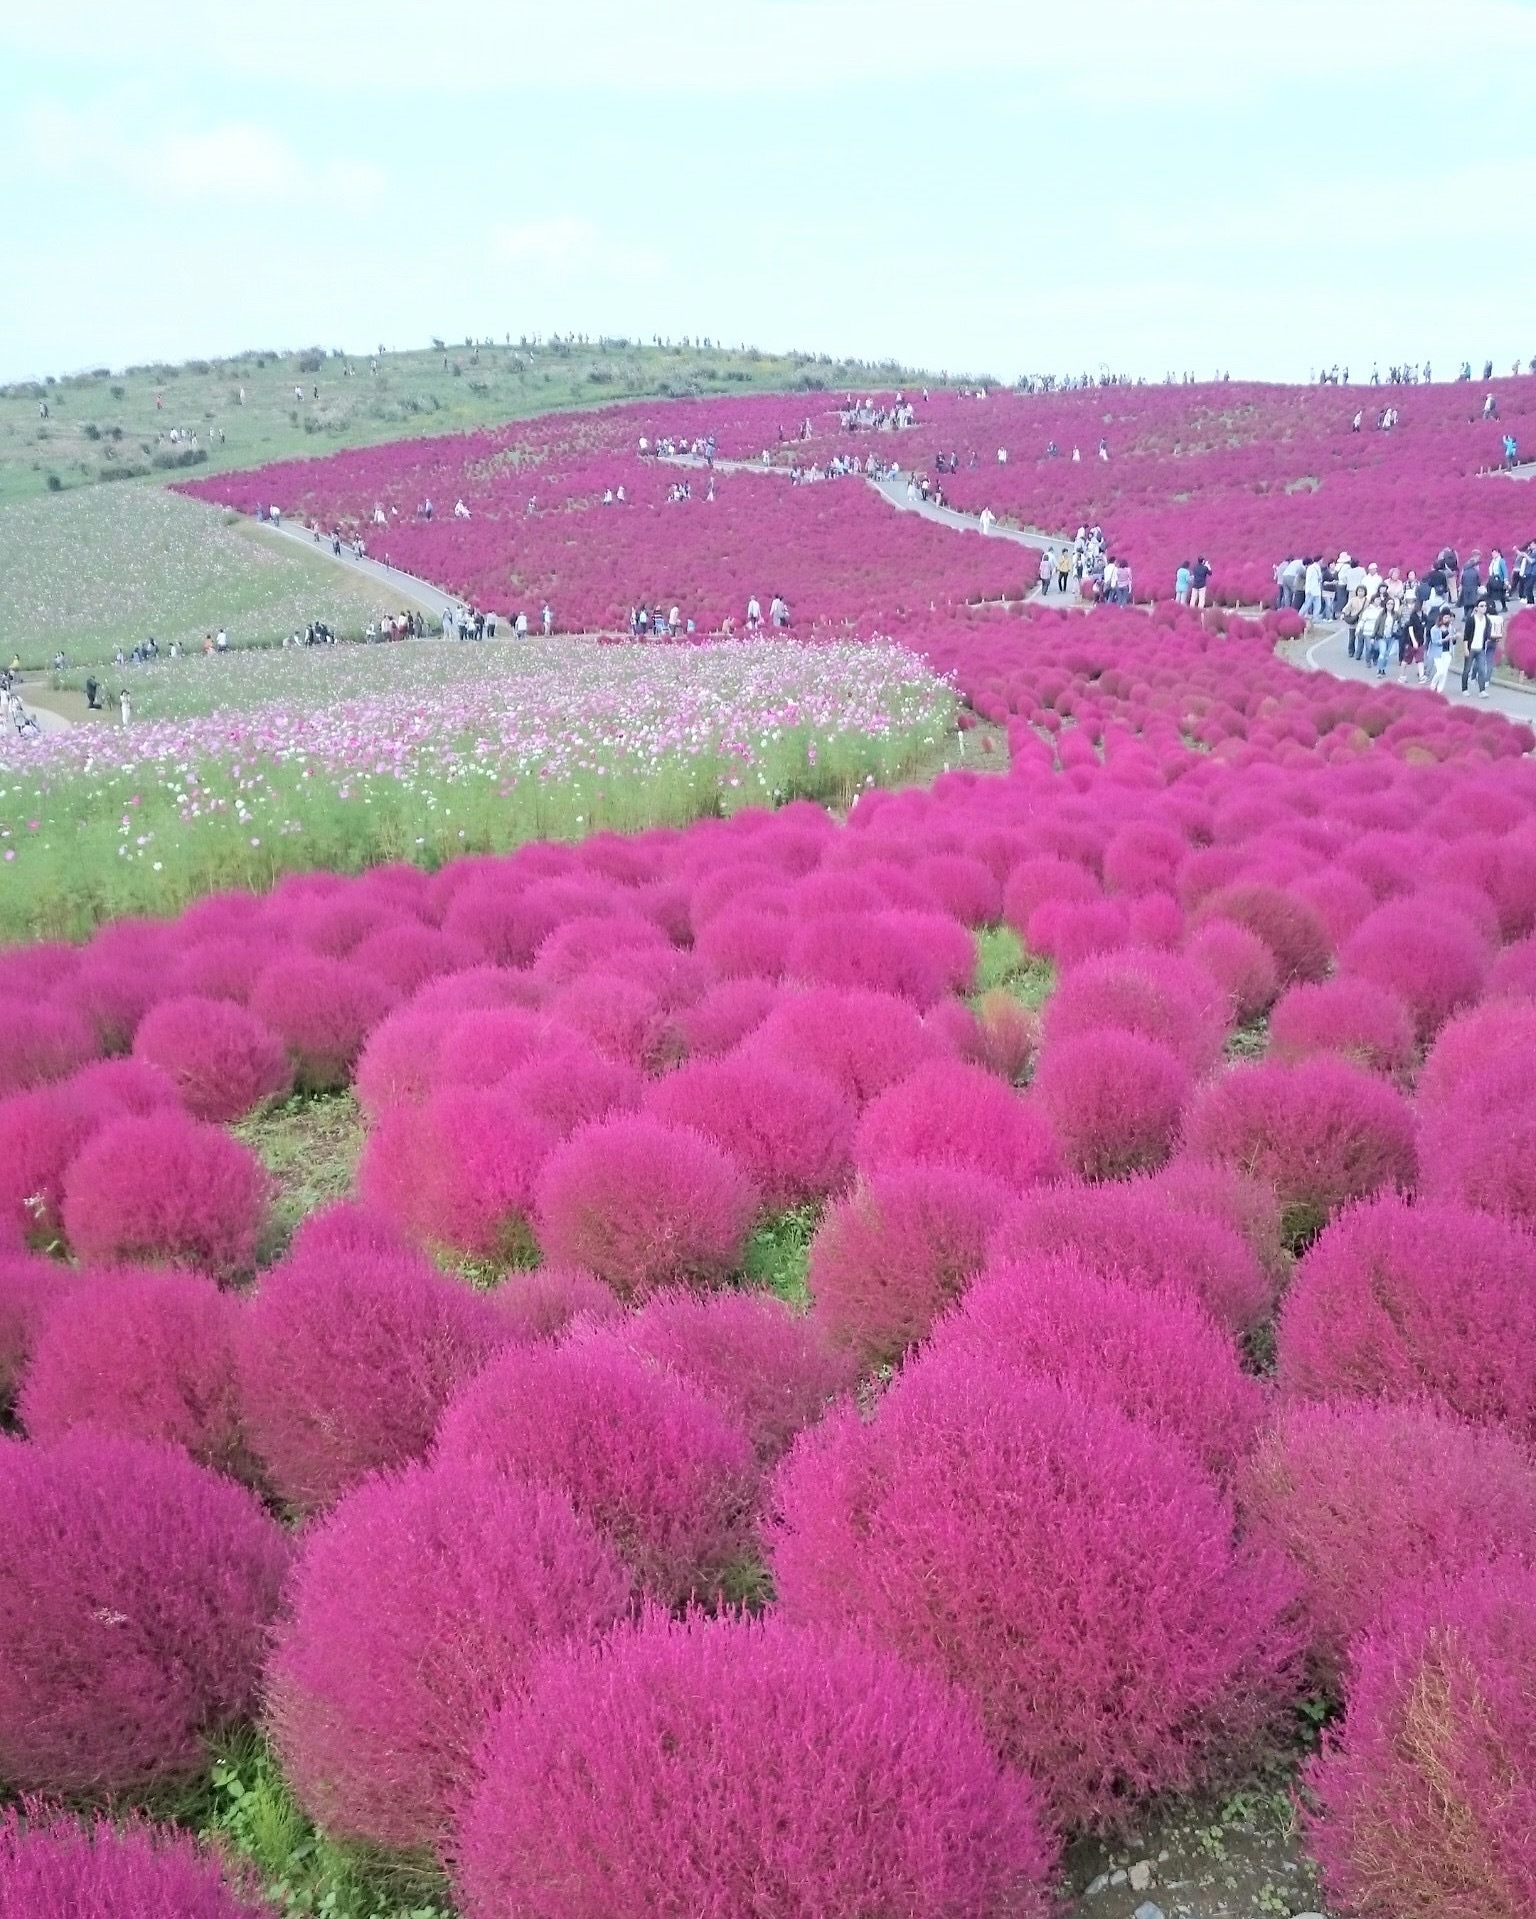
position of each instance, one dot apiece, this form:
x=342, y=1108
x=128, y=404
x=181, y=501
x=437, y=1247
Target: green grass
x=1004, y=965
x=778, y=1254
x=310, y=1145
x=103, y=424
x=100, y=569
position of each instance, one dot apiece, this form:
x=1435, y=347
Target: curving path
x=1328, y=652
x=432, y=600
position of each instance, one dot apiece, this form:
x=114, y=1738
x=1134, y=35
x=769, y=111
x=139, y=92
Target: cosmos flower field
x=867, y=1349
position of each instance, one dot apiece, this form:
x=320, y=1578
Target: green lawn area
x=105, y=566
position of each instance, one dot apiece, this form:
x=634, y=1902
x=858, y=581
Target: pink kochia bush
x=1426, y=1794
x=223, y=1061
x=792, y=1133
x=949, y=1114
x=148, y=1354
x=136, y=1594
x=862, y=1041
x=415, y=1609
x=346, y=1361
x=323, y=1011
x=1134, y=1232
x=40, y=1043
x=889, y=1258
x=166, y=1188
x=1157, y=1356
x=665, y=1474
x=1072, y=1571
x=1432, y=959
x=1399, y=1302
x=1160, y=996
x=30, y=1288
x=1321, y=1132
x=57, y=1868
x=1113, y=1098
x=644, y=1205
x=670, y=1770
x=1355, y=1016
x=773, y=1370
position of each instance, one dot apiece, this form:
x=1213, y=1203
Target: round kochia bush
x=1356, y=1017
x=1072, y=1571
x=415, y=1608
x=658, y=1467
x=861, y=1041
x=57, y=1868
x=1322, y=1132
x=1401, y=1302
x=726, y=1768
x=166, y=1188
x=1159, y=995
x=323, y=1011
x=644, y=1205
x=149, y=1354
x=346, y=1361
x=791, y=1133
x=224, y=1062
x=1369, y=1501
x=1157, y=1356
x=136, y=1594
x=1426, y=1794
x=890, y=1257
x=949, y=1114
x=29, y=1290
x=1114, y=1100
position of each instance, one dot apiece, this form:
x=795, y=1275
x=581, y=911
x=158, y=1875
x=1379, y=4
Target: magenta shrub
x=41, y=1131
x=916, y=956
x=771, y=1369
x=223, y=1061
x=569, y=1084
x=1113, y=1099
x=1473, y=1046
x=890, y=1257
x=1241, y=965
x=137, y=1590
x=1431, y=958
x=1426, y=1794
x=399, y=1062
x=344, y=1229
x=346, y=1361
x=1221, y=1193
x=1130, y=1231
x=147, y=1354
x=1160, y=996
x=459, y=1172
x=1155, y=1355
x=39, y=1042
x=664, y=1771
x=1360, y=1018
x=863, y=1042
x=416, y=1607
x=724, y=1016
x=166, y=1188
x=649, y=1459
x=946, y=1113
x=29, y=1290
x=1370, y=1501
x=52, y=1867
x=791, y=1133
x=1294, y=931
x=1398, y=1302
x=644, y=1205
x=1073, y=1572
x=1321, y=1132
x=542, y=1303
x=323, y=1011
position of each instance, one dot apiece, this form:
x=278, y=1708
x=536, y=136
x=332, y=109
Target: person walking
x=1477, y=653
x=1442, y=642
x=547, y=616
x=1047, y=572
x=1312, y=602
x=1063, y=570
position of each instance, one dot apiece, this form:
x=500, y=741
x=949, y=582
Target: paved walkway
x=1327, y=651
x=408, y=589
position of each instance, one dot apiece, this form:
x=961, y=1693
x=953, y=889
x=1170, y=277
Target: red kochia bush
x=322, y=1010
x=148, y=1354
x=1241, y=965
x=791, y=1133
x=892, y=1255
x=914, y=955
x=1221, y=1193
x=166, y=1188
x=39, y=1042
x=1132, y=1232
x=770, y=1368
x=1072, y=1571
x=1426, y=1794
x=1321, y=1132
x=1294, y=931
x=415, y=1609
x=1360, y=1018
x=41, y=1131
x=1431, y=958
x=1158, y=1356
x=56, y=1868
x=863, y=1042
x=224, y=1062
x=29, y=1290
x=667, y=1771
x=1399, y=1302
x=1158, y=995
x=1367, y=1502
x=540, y=1304
x=1113, y=1099
x=458, y=1171
x=644, y=1205
x=655, y=1465
x=346, y=1362
x=949, y=1114
x=136, y=1593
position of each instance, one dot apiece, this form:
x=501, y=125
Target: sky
x=993, y=187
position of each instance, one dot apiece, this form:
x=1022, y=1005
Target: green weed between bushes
x=1003, y=964
x=310, y=1145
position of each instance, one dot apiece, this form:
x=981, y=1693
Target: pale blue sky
x=993, y=186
